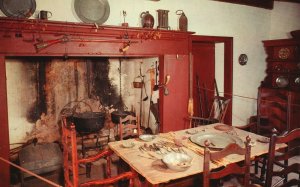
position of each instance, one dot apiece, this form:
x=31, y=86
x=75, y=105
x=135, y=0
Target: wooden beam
x=268, y=4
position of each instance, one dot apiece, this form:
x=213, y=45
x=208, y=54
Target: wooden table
x=155, y=172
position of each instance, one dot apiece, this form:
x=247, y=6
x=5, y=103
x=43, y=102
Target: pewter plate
x=92, y=11
x=17, y=8
x=282, y=81
x=218, y=140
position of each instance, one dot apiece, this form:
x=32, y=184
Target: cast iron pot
x=116, y=115
x=89, y=122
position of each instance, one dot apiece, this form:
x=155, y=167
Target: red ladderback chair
x=233, y=168
x=71, y=161
x=129, y=127
x=281, y=159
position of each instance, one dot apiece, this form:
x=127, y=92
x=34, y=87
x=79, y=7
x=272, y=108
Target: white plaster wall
x=247, y=25
x=284, y=18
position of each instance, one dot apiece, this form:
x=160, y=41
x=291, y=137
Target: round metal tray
x=92, y=11
x=218, y=140
x=17, y=8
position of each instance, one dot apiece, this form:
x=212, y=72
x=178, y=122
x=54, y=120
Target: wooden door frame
x=228, y=65
x=4, y=132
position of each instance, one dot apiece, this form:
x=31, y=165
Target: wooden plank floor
x=98, y=172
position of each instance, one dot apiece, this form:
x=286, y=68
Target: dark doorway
x=204, y=69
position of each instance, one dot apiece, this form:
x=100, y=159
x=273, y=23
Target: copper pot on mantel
x=147, y=20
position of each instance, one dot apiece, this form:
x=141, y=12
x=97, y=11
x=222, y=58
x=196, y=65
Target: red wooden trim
x=228, y=76
x=75, y=39
x=161, y=65
x=4, y=132
x=280, y=42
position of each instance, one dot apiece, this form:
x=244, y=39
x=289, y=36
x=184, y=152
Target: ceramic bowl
x=147, y=137
x=128, y=144
x=177, y=161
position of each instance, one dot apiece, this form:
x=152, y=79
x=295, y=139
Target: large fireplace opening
x=40, y=89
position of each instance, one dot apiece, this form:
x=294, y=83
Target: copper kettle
x=147, y=20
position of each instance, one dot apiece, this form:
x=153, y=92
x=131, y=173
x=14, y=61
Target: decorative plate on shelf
x=284, y=53
x=282, y=81
x=92, y=11
x=17, y=8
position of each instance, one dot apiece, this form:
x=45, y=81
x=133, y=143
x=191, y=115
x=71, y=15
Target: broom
x=191, y=102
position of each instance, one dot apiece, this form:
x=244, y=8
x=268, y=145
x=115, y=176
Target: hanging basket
x=137, y=84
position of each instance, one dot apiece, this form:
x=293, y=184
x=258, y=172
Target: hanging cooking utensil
x=92, y=11
x=143, y=83
x=121, y=109
x=156, y=79
x=17, y=8
x=148, y=130
x=137, y=83
x=146, y=98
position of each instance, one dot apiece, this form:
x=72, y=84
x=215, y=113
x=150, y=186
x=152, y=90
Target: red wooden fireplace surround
x=20, y=37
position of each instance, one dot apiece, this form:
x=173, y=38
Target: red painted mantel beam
x=26, y=37
x=77, y=39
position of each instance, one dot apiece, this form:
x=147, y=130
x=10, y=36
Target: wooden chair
x=217, y=113
x=260, y=125
x=71, y=161
x=273, y=116
x=232, y=168
x=281, y=159
x=129, y=127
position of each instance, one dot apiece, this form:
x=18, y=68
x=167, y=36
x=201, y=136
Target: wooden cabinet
x=283, y=64
x=280, y=107
x=279, y=93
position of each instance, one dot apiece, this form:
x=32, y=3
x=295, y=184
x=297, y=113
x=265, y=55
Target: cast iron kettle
x=147, y=20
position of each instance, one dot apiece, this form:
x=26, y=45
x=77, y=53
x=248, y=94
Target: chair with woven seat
x=232, y=168
x=129, y=127
x=72, y=162
x=281, y=159
x=216, y=115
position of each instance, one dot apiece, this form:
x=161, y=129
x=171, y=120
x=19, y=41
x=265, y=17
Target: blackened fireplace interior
x=40, y=89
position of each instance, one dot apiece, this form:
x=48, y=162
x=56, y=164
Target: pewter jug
x=147, y=20
x=183, y=21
